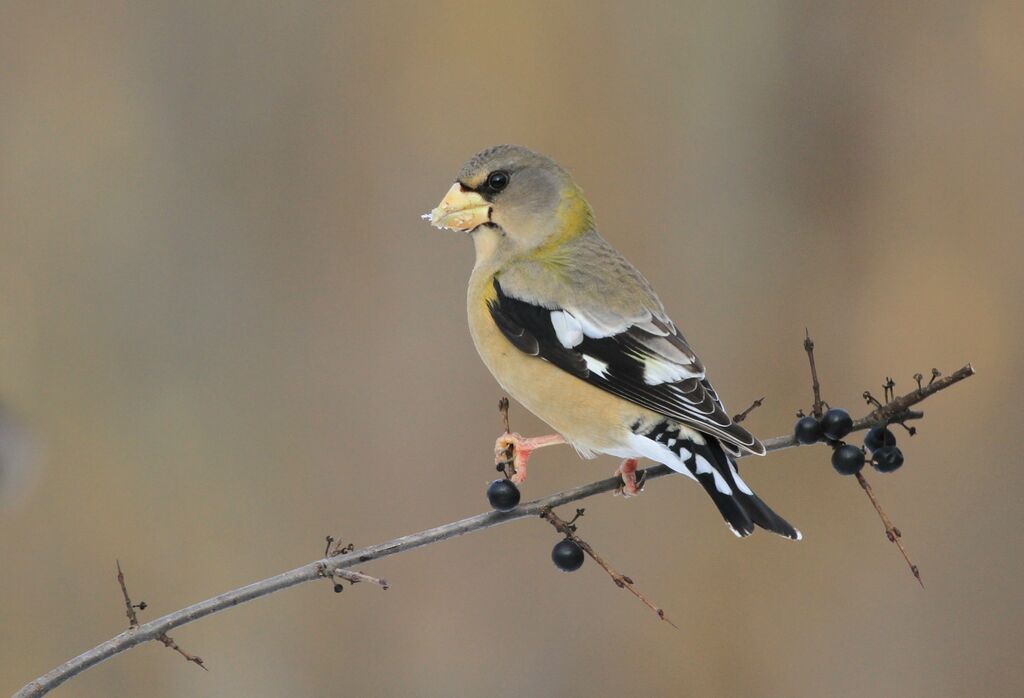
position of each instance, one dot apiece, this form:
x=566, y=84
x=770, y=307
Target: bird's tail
x=716, y=471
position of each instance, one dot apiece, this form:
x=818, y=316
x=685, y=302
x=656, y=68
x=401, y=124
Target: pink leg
x=627, y=471
x=515, y=450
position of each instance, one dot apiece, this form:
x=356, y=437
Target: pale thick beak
x=460, y=210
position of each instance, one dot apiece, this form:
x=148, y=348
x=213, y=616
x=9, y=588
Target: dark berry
x=808, y=430
x=503, y=495
x=848, y=459
x=879, y=436
x=887, y=459
x=567, y=555
x=836, y=423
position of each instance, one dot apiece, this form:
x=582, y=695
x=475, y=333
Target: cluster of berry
x=504, y=496
x=848, y=459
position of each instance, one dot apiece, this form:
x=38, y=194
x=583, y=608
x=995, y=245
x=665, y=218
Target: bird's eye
x=497, y=180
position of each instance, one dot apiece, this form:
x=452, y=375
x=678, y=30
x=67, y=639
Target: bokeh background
x=225, y=333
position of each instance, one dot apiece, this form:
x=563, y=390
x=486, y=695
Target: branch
x=133, y=622
x=158, y=629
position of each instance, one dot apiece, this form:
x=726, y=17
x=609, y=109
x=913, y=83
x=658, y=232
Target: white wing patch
x=567, y=328
x=596, y=365
x=658, y=371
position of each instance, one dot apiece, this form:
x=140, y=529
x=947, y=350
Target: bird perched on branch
x=577, y=335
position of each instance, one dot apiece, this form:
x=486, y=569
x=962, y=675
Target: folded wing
x=643, y=359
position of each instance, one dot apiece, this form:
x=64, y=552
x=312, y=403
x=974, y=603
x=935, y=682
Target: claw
x=631, y=484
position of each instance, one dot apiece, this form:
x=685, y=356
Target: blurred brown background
x=225, y=333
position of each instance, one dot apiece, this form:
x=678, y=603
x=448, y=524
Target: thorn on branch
x=753, y=406
x=133, y=622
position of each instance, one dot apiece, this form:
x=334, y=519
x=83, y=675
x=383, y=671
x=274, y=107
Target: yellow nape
x=575, y=217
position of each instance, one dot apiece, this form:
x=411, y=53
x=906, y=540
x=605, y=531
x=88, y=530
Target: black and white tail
x=702, y=457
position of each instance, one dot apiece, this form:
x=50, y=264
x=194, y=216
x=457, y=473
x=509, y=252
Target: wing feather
x=646, y=361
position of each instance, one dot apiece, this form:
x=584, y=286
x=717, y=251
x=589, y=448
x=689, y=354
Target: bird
x=576, y=334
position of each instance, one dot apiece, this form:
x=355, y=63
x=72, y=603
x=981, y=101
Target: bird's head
x=514, y=202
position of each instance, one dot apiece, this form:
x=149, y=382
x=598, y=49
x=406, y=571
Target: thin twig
x=621, y=580
x=899, y=405
x=169, y=642
x=809, y=348
x=129, y=607
x=891, y=532
x=355, y=577
x=154, y=629
x=753, y=406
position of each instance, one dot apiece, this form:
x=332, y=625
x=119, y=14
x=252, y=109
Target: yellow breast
x=586, y=416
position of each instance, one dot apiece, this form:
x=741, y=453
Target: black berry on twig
x=879, y=436
x=808, y=430
x=848, y=459
x=887, y=459
x=503, y=495
x=836, y=423
x=567, y=555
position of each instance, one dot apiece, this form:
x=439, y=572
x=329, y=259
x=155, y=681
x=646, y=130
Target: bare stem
x=354, y=577
x=891, y=532
x=129, y=607
x=809, y=348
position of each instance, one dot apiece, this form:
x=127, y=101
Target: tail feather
x=704, y=459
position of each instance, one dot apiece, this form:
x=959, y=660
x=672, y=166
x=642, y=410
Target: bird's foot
x=514, y=450
x=631, y=484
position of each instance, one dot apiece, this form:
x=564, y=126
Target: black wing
x=656, y=371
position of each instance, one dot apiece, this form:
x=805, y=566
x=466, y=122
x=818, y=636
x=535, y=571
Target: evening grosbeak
x=577, y=335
